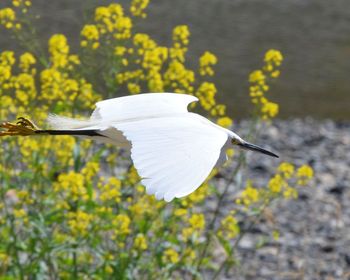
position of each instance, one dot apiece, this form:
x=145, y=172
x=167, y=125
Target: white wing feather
x=173, y=155
x=142, y=106
x=173, y=150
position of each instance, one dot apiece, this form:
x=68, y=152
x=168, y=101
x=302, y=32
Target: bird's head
x=248, y=146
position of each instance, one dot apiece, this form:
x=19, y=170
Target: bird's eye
x=234, y=141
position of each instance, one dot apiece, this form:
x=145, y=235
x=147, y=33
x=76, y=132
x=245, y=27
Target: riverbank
x=314, y=230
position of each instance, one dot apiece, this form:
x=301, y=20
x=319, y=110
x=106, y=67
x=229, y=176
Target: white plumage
x=172, y=149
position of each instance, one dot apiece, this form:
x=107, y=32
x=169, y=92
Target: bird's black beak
x=252, y=147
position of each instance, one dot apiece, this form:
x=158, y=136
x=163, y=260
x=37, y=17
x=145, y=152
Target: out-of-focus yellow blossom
x=90, y=170
x=304, y=174
x=24, y=197
x=134, y=88
x=290, y=192
x=111, y=19
x=181, y=36
x=206, y=94
x=196, y=226
x=197, y=196
x=72, y=186
x=218, y=110
x=59, y=50
x=276, y=183
x=197, y=221
x=249, y=195
x=180, y=212
x=4, y=260
x=287, y=169
x=8, y=18
x=90, y=36
x=269, y=109
x=229, y=228
x=137, y=8
x=140, y=242
x=19, y=3
x=111, y=190
x=258, y=88
x=205, y=64
x=273, y=58
x=120, y=51
x=224, y=122
x=79, y=223
x=179, y=78
x=19, y=213
x=26, y=60
x=121, y=224
x=170, y=256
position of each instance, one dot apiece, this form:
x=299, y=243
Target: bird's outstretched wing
x=173, y=155
x=141, y=106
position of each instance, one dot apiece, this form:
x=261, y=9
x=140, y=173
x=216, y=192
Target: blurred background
x=313, y=36
x=313, y=92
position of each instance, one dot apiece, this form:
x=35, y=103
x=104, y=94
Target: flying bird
x=173, y=150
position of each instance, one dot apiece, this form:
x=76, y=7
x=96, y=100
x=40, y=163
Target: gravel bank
x=314, y=230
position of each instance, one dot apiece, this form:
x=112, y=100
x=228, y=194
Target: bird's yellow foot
x=22, y=127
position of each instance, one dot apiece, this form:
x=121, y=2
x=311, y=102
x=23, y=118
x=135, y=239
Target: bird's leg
x=23, y=127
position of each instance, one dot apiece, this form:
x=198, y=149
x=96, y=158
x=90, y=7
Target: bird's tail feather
x=60, y=122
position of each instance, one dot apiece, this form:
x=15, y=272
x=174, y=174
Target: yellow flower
x=170, y=255
x=7, y=18
x=273, y=57
x=59, y=50
x=224, y=122
x=79, y=222
x=205, y=62
x=121, y=223
x=269, y=109
x=72, y=185
x=276, y=184
x=304, y=174
x=137, y=8
x=229, y=227
x=26, y=60
x=250, y=195
x=90, y=32
x=206, y=94
x=197, y=221
x=140, y=242
x=286, y=169
x=111, y=191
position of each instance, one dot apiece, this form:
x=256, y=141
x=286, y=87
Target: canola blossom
x=70, y=209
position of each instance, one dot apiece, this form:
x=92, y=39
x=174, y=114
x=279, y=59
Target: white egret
x=172, y=149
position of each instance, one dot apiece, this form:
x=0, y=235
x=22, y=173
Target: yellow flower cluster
x=229, y=227
x=121, y=223
x=181, y=36
x=140, y=242
x=110, y=191
x=8, y=19
x=57, y=82
x=170, y=256
x=26, y=61
x=196, y=226
x=111, y=20
x=72, y=186
x=138, y=7
x=304, y=174
x=250, y=195
x=79, y=223
x=205, y=64
x=206, y=94
x=258, y=84
x=91, y=36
